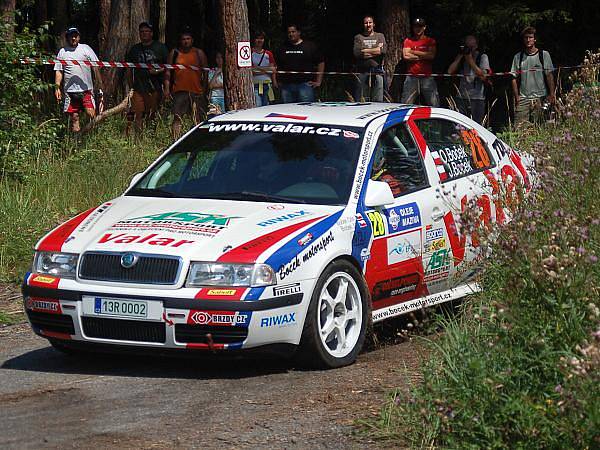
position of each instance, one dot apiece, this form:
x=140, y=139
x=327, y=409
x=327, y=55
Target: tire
x=336, y=321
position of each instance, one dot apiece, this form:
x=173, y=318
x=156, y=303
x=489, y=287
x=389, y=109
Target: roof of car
x=332, y=113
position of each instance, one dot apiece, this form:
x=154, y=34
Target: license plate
x=120, y=308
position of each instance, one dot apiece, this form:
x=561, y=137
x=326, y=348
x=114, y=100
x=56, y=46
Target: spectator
x=146, y=83
x=215, y=84
x=474, y=66
x=78, y=85
x=187, y=86
x=532, y=79
x=419, y=51
x=263, y=63
x=369, y=49
x=301, y=56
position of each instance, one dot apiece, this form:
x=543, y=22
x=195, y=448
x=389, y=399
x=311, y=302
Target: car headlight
x=62, y=265
x=223, y=274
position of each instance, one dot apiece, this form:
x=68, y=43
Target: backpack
x=541, y=58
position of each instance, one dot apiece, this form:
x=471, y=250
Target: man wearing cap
x=76, y=80
x=146, y=83
x=419, y=51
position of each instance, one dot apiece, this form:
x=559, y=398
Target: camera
x=464, y=50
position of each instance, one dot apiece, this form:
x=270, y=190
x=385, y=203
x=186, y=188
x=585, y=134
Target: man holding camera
x=419, y=52
x=533, y=82
x=474, y=66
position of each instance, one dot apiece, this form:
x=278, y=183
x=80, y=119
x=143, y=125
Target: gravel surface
x=52, y=400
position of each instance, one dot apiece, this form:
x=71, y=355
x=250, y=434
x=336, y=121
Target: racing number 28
x=377, y=223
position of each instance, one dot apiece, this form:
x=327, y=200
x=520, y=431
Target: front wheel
x=337, y=318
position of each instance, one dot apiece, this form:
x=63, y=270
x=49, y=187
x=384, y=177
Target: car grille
x=124, y=330
x=220, y=335
x=58, y=323
x=149, y=269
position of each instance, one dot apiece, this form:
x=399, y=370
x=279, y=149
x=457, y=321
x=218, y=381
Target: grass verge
x=520, y=368
x=60, y=183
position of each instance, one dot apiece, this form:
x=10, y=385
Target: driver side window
x=398, y=162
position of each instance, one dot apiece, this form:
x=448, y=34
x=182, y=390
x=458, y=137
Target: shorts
x=78, y=101
x=144, y=102
x=185, y=102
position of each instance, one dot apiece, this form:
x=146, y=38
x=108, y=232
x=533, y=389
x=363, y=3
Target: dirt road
x=51, y=400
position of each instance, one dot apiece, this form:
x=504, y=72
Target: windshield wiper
x=153, y=193
x=257, y=196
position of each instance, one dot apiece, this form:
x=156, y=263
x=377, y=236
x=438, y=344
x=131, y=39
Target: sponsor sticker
x=438, y=266
x=43, y=305
x=281, y=320
x=274, y=128
x=193, y=223
x=404, y=217
x=318, y=246
x=43, y=279
x=286, y=290
x=149, y=239
x=94, y=217
x=396, y=286
x=351, y=134
x=365, y=254
x=283, y=218
x=221, y=292
x=220, y=318
x=304, y=240
x=433, y=234
x=404, y=247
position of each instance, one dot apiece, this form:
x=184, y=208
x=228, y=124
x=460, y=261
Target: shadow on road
x=204, y=366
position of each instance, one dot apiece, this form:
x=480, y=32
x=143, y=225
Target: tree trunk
x=395, y=25
x=104, y=7
x=125, y=16
x=59, y=11
x=162, y=20
x=41, y=12
x=7, y=15
x=239, y=92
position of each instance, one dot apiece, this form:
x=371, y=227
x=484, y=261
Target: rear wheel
x=337, y=318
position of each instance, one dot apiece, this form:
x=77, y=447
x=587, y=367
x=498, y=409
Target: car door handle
x=437, y=214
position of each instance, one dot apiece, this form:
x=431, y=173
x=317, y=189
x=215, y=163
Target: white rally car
x=288, y=224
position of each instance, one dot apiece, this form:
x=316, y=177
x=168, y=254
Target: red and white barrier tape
x=131, y=65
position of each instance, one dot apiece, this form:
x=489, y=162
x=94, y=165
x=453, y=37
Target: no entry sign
x=244, y=54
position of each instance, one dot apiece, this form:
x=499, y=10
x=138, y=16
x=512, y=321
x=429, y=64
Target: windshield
x=258, y=162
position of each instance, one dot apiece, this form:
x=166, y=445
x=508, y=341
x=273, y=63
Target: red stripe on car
x=55, y=240
x=251, y=250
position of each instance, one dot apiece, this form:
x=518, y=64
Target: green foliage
x=56, y=186
x=26, y=128
x=520, y=368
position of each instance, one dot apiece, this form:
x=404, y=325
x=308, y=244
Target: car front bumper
x=66, y=315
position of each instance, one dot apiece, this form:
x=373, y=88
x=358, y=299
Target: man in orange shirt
x=419, y=51
x=186, y=86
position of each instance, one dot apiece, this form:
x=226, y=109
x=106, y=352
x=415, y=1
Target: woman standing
x=263, y=65
x=215, y=84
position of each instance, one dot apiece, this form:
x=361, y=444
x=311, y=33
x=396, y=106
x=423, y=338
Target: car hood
x=195, y=229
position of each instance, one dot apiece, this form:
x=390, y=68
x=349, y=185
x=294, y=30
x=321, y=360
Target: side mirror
x=378, y=194
x=135, y=179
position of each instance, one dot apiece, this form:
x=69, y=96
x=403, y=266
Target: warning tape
x=131, y=65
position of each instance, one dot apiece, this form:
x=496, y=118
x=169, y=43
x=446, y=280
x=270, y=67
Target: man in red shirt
x=419, y=51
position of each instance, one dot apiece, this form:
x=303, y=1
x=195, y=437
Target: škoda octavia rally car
x=288, y=224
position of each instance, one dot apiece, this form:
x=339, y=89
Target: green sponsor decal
x=188, y=217
x=439, y=259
